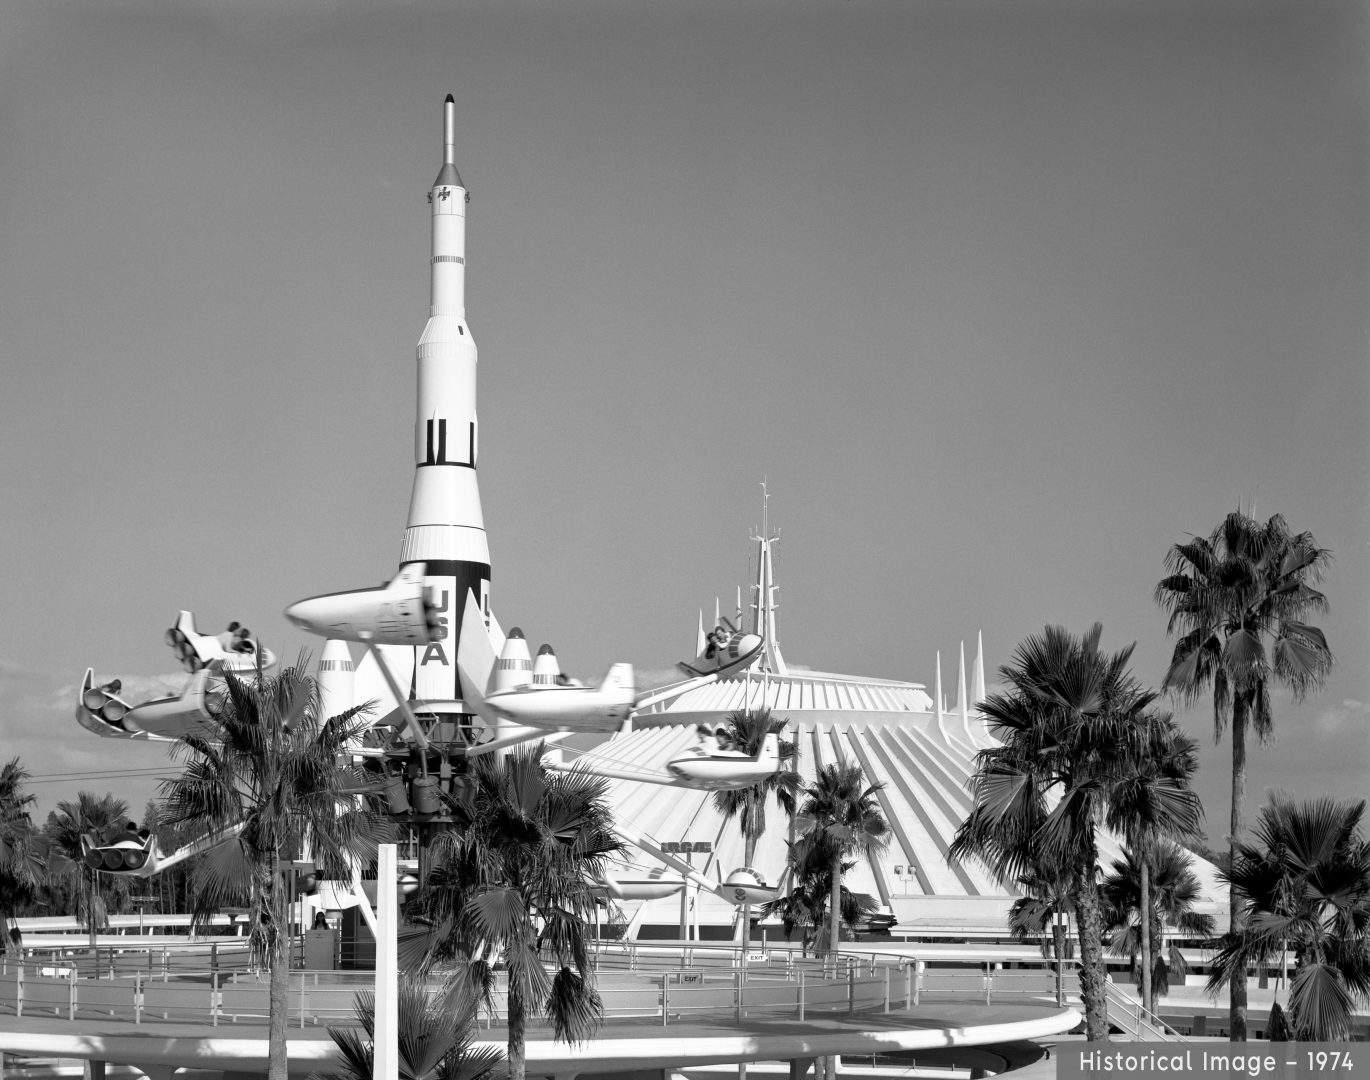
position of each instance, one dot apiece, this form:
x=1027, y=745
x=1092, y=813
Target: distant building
x=911, y=742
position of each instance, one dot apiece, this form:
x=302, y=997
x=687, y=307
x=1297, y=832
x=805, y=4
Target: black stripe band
x=466, y=571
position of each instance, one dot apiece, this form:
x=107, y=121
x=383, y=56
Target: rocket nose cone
x=515, y=648
x=546, y=650
x=514, y=633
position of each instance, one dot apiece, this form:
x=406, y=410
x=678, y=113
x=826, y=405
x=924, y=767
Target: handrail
x=216, y=997
x=1127, y=1013
x=672, y=980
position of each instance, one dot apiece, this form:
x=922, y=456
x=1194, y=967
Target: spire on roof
x=962, y=700
x=940, y=701
x=961, y=681
x=978, y=680
x=766, y=588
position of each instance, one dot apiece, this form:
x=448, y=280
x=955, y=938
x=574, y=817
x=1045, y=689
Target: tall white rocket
x=446, y=529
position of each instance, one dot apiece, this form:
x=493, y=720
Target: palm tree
x=806, y=906
x=1305, y=888
x=270, y=771
x=92, y=892
x=1238, y=599
x=1174, y=890
x=841, y=816
x=1153, y=801
x=1047, y=898
x=748, y=730
x=514, y=881
x=435, y=1036
x=22, y=867
x=1071, y=729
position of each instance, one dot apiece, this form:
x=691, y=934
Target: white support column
x=387, y=1060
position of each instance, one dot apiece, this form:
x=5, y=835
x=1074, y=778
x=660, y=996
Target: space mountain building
x=912, y=743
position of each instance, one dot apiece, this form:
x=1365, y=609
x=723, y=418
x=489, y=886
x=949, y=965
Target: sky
x=1001, y=300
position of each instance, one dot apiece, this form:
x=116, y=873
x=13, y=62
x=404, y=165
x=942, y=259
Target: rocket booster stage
x=446, y=529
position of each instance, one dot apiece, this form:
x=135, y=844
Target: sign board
x=685, y=977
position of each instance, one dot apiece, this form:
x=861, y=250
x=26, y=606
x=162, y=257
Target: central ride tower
x=445, y=528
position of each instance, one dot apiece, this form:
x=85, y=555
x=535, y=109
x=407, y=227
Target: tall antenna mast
x=771, y=660
x=765, y=509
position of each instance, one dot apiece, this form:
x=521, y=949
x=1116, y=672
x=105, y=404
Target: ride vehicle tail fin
x=620, y=678
x=410, y=576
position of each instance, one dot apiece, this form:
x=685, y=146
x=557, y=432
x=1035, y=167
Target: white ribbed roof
x=925, y=768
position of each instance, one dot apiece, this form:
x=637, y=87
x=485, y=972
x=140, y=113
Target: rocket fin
x=496, y=635
x=475, y=658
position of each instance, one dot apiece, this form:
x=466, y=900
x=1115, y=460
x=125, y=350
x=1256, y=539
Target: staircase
x=1126, y=1014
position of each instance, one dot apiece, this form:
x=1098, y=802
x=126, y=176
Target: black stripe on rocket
x=436, y=445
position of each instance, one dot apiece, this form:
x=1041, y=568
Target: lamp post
x=141, y=903
x=688, y=848
x=386, y=1030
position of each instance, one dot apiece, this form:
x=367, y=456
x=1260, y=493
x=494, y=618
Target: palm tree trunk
x=1236, y=1018
x=517, y=1021
x=90, y=912
x=1146, y=931
x=748, y=853
x=834, y=936
x=1090, y=927
x=278, y=959
x=1058, y=948
x=835, y=907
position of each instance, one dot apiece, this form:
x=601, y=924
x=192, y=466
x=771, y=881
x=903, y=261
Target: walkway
x=621, y=1046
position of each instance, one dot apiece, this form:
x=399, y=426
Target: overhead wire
x=101, y=774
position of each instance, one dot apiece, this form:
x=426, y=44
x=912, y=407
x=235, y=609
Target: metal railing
x=319, y=998
x=114, y=961
x=216, y=984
